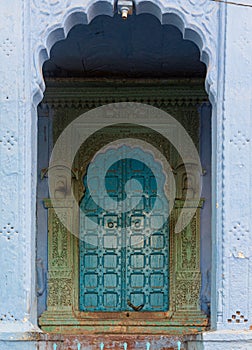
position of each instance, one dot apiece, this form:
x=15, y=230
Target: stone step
x=117, y=342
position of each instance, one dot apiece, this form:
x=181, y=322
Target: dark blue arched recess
x=124, y=254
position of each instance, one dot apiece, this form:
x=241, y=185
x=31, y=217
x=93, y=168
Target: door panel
x=124, y=253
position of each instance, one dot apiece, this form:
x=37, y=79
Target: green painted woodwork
x=60, y=260
x=124, y=255
x=63, y=312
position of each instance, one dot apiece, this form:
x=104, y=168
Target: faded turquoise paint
x=124, y=259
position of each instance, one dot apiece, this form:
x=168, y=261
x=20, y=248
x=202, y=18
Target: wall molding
x=86, y=93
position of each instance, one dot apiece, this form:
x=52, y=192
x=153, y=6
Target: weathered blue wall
x=223, y=34
x=205, y=223
x=44, y=146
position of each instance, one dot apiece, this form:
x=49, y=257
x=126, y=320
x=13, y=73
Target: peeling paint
x=241, y=255
x=238, y=255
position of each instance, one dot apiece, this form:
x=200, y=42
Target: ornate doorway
x=103, y=278
x=124, y=251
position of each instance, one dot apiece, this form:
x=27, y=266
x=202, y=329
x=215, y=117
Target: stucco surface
x=29, y=28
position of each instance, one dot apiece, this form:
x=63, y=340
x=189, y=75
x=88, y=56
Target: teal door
x=124, y=237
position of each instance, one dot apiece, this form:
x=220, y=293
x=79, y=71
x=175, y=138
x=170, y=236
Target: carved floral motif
x=198, y=8
x=187, y=292
x=60, y=292
x=51, y=7
x=187, y=283
x=189, y=245
x=59, y=243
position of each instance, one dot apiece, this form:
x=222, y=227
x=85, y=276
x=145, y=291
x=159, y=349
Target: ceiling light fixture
x=125, y=8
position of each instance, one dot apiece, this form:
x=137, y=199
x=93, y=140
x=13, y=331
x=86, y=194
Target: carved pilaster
x=186, y=258
x=60, y=265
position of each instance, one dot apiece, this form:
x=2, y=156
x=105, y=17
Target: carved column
x=61, y=282
x=185, y=255
x=60, y=262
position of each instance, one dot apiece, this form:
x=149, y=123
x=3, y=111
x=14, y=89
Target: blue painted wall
x=223, y=34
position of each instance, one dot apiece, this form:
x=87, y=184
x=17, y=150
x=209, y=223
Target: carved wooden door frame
x=63, y=315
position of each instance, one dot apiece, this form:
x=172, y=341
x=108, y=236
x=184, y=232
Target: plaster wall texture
x=223, y=34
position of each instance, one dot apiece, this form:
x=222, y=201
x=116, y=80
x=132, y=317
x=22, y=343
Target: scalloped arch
x=193, y=27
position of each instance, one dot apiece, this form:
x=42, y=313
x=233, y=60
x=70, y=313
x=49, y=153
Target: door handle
x=135, y=308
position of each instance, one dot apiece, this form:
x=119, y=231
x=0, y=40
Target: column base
x=221, y=340
x=14, y=328
x=33, y=340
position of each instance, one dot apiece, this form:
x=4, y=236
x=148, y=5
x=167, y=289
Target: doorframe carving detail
x=63, y=315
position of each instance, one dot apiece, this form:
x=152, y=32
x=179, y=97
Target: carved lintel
x=87, y=94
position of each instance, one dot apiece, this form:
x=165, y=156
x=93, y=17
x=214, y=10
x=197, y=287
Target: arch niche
x=190, y=19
